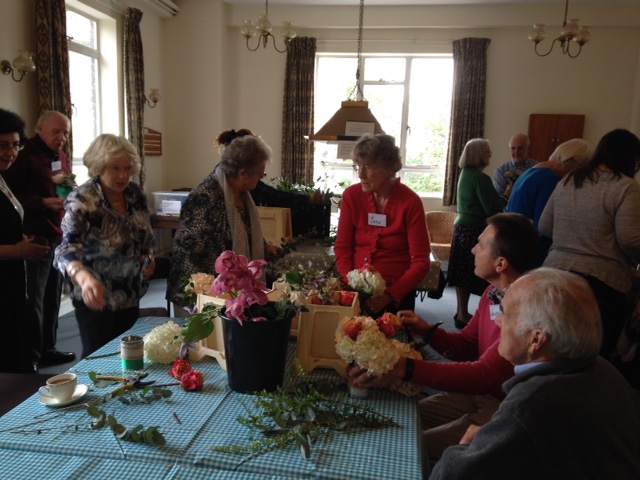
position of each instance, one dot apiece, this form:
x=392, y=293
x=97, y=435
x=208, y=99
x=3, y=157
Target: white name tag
x=377, y=220
x=494, y=310
x=55, y=166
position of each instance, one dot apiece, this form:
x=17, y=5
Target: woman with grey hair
x=382, y=223
x=107, y=245
x=477, y=200
x=219, y=214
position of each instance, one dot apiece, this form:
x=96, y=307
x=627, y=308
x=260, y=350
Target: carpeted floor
x=433, y=311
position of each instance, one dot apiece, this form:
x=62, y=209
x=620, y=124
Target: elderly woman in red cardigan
x=382, y=223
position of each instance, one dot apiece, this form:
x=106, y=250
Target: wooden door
x=547, y=131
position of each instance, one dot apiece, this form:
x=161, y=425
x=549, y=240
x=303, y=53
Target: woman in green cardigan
x=477, y=200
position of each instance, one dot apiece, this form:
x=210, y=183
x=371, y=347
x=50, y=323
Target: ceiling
x=420, y=2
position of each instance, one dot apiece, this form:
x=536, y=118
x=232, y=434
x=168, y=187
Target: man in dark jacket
x=568, y=413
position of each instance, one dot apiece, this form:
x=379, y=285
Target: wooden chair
x=440, y=226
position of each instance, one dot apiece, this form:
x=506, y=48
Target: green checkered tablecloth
x=207, y=418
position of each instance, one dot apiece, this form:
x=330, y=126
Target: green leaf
x=158, y=438
x=198, y=327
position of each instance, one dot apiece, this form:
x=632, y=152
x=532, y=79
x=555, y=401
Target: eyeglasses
x=11, y=146
x=367, y=169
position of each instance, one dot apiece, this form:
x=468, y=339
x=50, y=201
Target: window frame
x=343, y=165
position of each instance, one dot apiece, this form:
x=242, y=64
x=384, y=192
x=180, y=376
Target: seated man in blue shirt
x=568, y=412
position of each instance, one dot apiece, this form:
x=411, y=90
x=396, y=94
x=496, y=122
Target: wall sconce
x=154, y=97
x=23, y=63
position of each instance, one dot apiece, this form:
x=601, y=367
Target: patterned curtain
x=52, y=60
x=134, y=83
x=297, y=111
x=467, y=111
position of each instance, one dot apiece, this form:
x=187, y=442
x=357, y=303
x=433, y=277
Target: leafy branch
x=138, y=434
x=299, y=415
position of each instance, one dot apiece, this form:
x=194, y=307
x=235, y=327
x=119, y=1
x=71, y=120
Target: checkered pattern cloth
x=207, y=418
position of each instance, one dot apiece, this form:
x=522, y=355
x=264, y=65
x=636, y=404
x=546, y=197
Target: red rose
x=352, y=328
x=386, y=327
x=316, y=300
x=192, y=381
x=180, y=368
x=346, y=298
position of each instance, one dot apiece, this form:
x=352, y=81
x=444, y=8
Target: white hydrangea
x=367, y=282
x=371, y=350
x=159, y=345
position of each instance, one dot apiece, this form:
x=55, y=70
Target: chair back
x=440, y=226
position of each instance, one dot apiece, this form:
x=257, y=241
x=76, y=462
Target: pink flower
x=192, y=381
x=226, y=261
x=235, y=309
x=180, y=367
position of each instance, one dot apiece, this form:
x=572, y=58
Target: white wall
x=17, y=24
x=603, y=83
x=210, y=82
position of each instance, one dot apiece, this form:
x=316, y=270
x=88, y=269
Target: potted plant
x=255, y=330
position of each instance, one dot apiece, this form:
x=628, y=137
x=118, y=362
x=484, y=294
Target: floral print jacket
x=111, y=246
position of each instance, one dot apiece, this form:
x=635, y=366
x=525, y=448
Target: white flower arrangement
x=159, y=344
x=367, y=280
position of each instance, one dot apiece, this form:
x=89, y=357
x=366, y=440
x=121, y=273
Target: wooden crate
x=276, y=224
x=316, y=346
x=213, y=345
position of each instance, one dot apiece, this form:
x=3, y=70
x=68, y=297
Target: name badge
x=55, y=166
x=377, y=220
x=494, y=310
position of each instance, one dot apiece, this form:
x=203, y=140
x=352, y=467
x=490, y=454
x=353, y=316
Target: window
x=411, y=98
x=92, y=78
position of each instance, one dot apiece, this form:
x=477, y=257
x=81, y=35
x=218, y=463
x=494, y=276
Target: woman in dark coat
x=15, y=249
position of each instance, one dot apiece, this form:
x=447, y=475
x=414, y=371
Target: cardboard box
x=169, y=203
x=316, y=346
x=276, y=224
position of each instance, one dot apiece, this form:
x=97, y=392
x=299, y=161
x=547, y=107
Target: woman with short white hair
x=107, y=246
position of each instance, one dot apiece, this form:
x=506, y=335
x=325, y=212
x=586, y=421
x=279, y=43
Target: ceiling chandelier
x=571, y=31
x=263, y=27
x=354, y=117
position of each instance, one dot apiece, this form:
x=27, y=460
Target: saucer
x=80, y=392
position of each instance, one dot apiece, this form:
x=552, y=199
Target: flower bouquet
x=65, y=183
x=513, y=175
x=368, y=343
x=194, y=285
x=367, y=281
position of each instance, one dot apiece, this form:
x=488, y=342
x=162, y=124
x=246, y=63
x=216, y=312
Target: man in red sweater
x=471, y=382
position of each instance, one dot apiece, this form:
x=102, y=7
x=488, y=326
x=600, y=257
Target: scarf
x=239, y=237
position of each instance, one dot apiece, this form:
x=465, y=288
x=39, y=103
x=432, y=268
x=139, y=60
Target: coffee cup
x=61, y=387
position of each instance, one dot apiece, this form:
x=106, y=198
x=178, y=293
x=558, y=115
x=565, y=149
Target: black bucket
x=256, y=354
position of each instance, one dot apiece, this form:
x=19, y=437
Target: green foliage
x=150, y=436
x=299, y=415
x=200, y=325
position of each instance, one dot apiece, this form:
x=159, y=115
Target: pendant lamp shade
x=336, y=128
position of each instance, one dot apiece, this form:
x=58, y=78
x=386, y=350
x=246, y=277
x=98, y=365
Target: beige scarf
x=238, y=231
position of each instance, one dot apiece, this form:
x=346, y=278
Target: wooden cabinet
x=548, y=130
